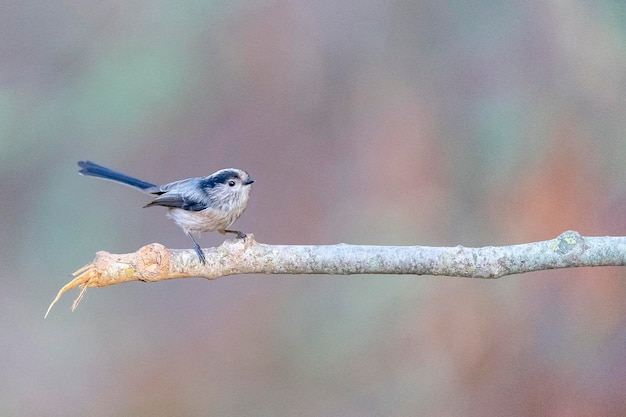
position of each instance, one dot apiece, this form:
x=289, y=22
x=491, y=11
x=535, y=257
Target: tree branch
x=155, y=262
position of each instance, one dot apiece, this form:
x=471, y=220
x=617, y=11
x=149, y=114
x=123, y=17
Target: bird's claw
x=200, y=255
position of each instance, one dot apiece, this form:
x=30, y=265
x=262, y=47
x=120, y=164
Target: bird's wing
x=173, y=200
x=184, y=194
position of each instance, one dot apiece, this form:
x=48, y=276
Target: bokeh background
x=379, y=122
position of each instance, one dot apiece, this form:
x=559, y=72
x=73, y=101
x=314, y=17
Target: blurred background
x=431, y=122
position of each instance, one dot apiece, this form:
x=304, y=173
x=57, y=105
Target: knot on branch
x=144, y=265
x=569, y=243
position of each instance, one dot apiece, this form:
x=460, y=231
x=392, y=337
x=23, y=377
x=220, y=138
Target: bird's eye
x=231, y=183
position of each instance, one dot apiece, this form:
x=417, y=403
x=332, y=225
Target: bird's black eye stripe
x=223, y=177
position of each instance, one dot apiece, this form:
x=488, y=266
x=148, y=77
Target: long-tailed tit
x=202, y=204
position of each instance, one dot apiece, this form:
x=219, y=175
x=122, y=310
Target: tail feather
x=94, y=170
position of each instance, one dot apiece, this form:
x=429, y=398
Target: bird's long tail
x=95, y=170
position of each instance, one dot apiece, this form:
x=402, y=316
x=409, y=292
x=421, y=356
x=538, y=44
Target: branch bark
x=155, y=262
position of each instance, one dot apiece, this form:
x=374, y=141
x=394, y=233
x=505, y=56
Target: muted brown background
x=429, y=122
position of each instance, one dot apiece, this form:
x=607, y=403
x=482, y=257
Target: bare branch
x=155, y=262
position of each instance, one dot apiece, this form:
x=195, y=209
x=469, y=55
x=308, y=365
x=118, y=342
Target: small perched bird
x=202, y=204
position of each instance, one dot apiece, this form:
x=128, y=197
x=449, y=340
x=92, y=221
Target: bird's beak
x=249, y=181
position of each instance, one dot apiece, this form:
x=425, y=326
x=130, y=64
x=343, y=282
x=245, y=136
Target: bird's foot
x=200, y=254
x=240, y=234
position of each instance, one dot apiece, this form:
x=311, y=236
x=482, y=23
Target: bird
x=200, y=204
